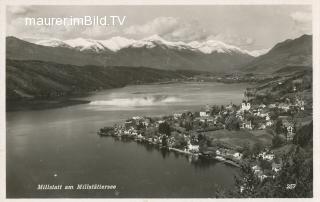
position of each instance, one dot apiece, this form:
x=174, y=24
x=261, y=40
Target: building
x=262, y=106
x=246, y=125
x=237, y=155
x=262, y=177
x=276, y=167
x=204, y=114
x=290, y=131
x=146, y=122
x=267, y=117
x=245, y=106
x=262, y=126
x=284, y=107
x=193, y=148
x=269, y=123
x=177, y=115
x=271, y=106
x=256, y=169
x=267, y=156
x=300, y=103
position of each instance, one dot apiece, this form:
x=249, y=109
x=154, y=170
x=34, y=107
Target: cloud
x=19, y=10
x=188, y=31
x=169, y=28
x=18, y=28
x=160, y=26
x=302, y=22
x=99, y=32
x=233, y=39
x=176, y=29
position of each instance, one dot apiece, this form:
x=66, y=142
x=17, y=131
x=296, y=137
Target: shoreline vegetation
x=103, y=133
x=22, y=105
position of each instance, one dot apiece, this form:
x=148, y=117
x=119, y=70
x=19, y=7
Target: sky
x=251, y=27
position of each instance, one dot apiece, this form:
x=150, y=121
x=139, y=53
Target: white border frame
x=316, y=73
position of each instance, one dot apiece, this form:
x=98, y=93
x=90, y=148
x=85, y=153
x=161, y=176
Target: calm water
x=60, y=146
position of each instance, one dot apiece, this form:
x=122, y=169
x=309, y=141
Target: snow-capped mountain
x=257, y=53
x=53, y=43
x=153, y=51
x=115, y=44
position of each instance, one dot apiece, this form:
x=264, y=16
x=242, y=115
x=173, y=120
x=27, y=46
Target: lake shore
x=69, y=100
x=67, y=137
x=23, y=105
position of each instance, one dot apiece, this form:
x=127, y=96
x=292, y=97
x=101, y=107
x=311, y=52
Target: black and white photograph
x=157, y=101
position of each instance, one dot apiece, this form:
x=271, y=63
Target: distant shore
x=68, y=100
x=21, y=105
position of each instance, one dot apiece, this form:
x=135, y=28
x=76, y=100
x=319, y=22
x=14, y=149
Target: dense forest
x=46, y=80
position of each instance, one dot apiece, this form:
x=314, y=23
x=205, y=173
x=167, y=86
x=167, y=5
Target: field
x=240, y=138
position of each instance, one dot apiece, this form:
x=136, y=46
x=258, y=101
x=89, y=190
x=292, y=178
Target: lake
x=61, y=146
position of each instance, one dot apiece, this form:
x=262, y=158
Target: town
x=234, y=134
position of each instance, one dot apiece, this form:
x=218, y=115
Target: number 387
x=291, y=186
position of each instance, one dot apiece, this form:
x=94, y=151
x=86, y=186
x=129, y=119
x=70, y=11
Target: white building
x=245, y=106
x=204, y=114
x=276, y=167
x=246, y=125
x=237, y=155
x=283, y=106
x=193, y=148
x=266, y=156
x=267, y=117
x=269, y=123
x=290, y=129
x=262, y=106
x=177, y=115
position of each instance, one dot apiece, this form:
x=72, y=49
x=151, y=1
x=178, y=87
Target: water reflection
x=196, y=161
x=63, y=141
x=165, y=153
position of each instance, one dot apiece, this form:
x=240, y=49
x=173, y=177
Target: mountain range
x=154, y=52
x=115, y=44
x=55, y=68
x=289, y=53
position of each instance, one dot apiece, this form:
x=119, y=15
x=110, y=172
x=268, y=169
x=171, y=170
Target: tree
x=215, y=109
x=297, y=170
x=141, y=126
x=265, y=165
x=164, y=141
x=278, y=126
x=180, y=142
x=232, y=123
x=164, y=128
x=246, y=183
x=257, y=148
x=277, y=141
x=274, y=113
x=304, y=135
x=246, y=152
x=188, y=126
x=150, y=132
